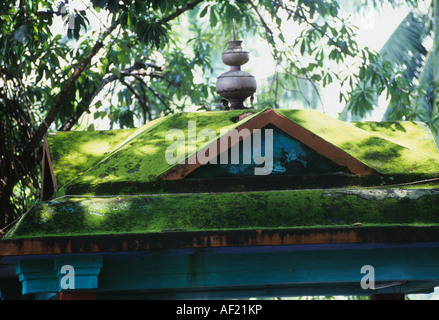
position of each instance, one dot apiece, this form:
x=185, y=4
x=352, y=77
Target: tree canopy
x=408, y=58
x=129, y=62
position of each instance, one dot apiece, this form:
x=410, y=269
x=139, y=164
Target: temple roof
x=118, y=181
x=130, y=156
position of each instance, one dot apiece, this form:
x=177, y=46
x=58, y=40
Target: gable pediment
x=293, y=146
x=288, y=157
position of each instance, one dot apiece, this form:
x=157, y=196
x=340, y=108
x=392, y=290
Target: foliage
x=403, y=71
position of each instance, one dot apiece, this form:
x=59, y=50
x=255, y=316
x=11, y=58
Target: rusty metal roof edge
x=217, y=238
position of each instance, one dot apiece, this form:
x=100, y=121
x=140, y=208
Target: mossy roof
x=79, y=215
x=387, y=147
x=137, y=156
x=130, y=156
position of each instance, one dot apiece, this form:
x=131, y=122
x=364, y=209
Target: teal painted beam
x=236, y=272
x=205, y=270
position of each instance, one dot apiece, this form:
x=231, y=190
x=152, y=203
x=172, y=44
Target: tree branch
x=59, y=100
x=179, y=11
x=268, y=32
x=136, y=93
x=73, y=119
x=51, y=115
x=155, y=93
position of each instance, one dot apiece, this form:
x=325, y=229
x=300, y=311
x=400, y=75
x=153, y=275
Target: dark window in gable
x=290, y=157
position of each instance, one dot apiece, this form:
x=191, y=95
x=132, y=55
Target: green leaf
x=204, y=11
x=98, y=104
x=99, y=3
x=213, y=18
x=113, y=6
x=116, y=72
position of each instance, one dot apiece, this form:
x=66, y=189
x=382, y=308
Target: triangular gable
x=262, y=120
x=286, y=156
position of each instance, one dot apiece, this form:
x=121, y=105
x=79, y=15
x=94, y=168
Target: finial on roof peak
x=235, y=85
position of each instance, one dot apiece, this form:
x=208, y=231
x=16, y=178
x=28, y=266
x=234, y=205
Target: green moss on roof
x=380, y=149
x=86, y=162
x=414, y=135
x=140, y=157
x=74, y=152
x=212, y=211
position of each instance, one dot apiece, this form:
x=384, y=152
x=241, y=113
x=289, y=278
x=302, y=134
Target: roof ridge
x=145, y=128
